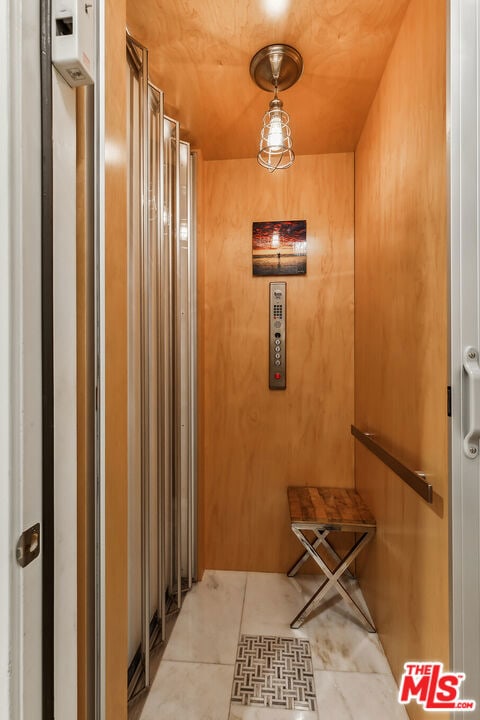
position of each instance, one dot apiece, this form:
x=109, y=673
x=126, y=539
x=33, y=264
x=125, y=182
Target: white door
x=464, y=127
x=37, y=382
x=20, y=358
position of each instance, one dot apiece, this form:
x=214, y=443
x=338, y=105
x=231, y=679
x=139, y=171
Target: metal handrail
x=415, y=479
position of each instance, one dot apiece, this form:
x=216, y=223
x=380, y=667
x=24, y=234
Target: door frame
x=7, y=598
x=48, y=393
x=463, y=129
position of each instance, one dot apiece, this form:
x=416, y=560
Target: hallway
x=199, y=673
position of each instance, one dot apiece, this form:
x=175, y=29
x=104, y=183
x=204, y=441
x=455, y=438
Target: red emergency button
x=277, y=376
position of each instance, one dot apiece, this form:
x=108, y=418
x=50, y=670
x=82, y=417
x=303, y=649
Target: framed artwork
x=279, y=247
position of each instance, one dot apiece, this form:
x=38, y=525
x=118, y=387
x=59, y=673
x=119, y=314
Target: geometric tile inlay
x=273, y=672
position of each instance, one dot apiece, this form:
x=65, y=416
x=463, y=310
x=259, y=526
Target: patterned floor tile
x=246, y=712
x=273, y=672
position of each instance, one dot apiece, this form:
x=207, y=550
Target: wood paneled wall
x=258, y=441
x=401, y=338
x=116, y=460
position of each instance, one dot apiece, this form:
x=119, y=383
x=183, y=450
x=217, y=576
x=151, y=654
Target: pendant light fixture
x=276, y=68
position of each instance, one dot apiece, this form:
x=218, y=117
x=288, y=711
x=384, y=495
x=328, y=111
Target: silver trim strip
x=144, y=382
x=160, y=436
x=177, y=373
x=193, y=362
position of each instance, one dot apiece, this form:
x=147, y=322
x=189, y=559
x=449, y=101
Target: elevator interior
x=380, y=132
x=369, y=127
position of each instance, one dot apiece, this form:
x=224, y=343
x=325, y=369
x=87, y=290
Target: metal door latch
x=28, y=545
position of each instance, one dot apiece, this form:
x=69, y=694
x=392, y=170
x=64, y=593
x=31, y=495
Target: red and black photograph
x=279, y=247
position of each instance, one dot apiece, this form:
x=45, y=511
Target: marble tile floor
x=195, y=675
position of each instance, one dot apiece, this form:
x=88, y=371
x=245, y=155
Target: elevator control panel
x=278, y=336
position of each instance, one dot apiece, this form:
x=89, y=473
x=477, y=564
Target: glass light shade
x=276, y=152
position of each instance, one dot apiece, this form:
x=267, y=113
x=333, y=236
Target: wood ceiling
x=200, y=52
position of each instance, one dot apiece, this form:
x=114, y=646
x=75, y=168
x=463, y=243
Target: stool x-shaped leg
x=321, y=538
x=333, y=577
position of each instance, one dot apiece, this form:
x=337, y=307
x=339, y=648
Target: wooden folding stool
x=323, y=510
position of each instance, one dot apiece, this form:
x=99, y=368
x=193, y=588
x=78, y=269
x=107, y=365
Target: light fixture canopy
x=274, y=68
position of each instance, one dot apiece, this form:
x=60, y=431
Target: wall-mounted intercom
x=278, y=336
x=73, y=40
